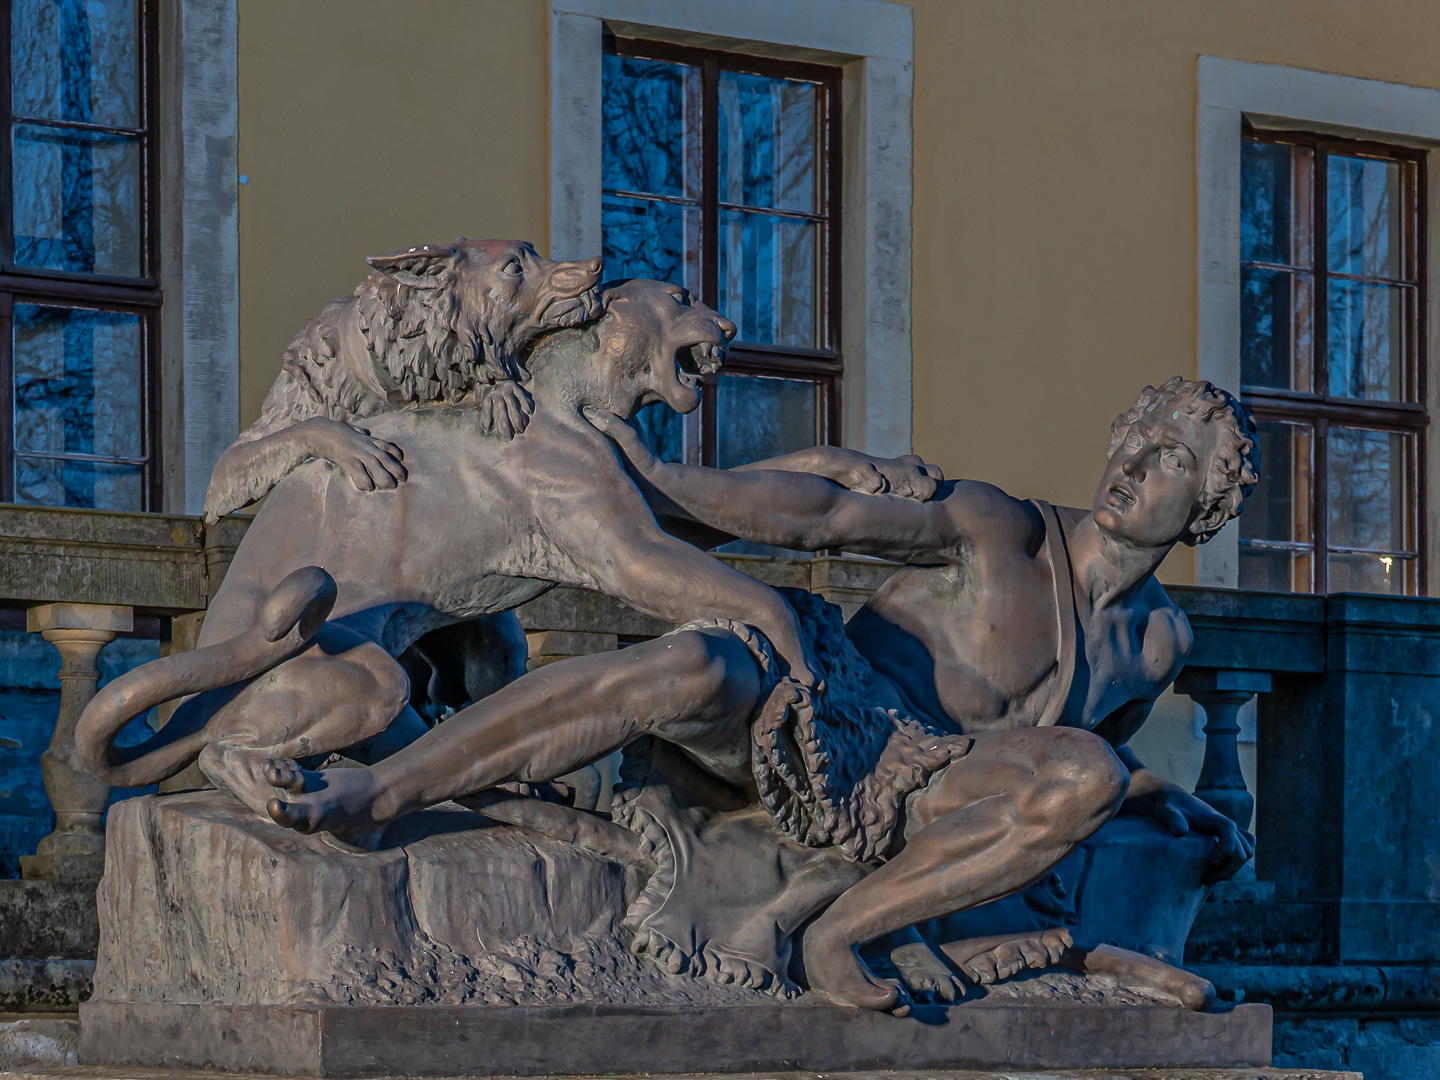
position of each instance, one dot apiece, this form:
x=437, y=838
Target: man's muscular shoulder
x=1168, y=637
x=992, y=517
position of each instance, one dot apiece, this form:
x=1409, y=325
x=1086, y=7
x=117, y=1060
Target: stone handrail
x=84, y=574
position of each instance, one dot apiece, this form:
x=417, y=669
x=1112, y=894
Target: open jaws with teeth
x=698, y=359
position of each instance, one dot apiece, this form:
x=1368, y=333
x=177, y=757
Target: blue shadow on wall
x=29, y=703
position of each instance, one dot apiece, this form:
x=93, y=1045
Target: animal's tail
x=291, y=616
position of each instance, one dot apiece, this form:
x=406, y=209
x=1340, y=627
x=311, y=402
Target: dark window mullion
x=1419, y=378
x=646, y=196
x=7, y=139
x=1319, y=247
x=1320, y=506
x=76, y=125
x=709, y=237
x=7, y=391
x=1320, y=351
x=148, y=32
x=151, y=480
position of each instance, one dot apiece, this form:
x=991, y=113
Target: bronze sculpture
x=432, y=324
x=522, y=514
x=968, y=663
x=796, y=788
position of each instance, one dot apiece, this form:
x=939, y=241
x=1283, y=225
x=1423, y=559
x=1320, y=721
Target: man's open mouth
x=1122, y=493
x=566, y=311
x=696, y=360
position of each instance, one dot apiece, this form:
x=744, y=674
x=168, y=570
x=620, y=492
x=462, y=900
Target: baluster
x=1222, y=693
x=75, y=850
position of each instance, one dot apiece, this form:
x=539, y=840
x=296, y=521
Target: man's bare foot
x=239, y=771
x=1137, y=969
x=336, y=801
x=1004, y=959
x=833, y=967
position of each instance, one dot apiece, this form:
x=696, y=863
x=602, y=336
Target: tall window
x=721, y=173
x=1331, y=336
x=79, y=299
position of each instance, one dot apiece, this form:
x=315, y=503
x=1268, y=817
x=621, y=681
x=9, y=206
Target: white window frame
x=873, y=43
x=1275, y=96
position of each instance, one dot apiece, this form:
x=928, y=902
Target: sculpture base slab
x=517, y=1040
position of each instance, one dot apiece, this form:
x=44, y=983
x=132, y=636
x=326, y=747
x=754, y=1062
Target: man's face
x=1151, y=488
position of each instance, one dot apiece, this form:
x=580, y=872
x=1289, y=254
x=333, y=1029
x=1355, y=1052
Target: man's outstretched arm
x=908, y=476
x=792, y=509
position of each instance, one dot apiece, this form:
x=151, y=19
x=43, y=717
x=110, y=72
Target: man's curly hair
x=1235, y=465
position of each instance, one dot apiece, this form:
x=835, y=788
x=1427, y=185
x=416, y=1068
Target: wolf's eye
x=512, y=268
x=682, y=298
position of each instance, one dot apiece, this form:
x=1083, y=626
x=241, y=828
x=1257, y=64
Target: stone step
x=98, y=1073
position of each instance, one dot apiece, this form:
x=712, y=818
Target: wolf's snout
x=575, y=277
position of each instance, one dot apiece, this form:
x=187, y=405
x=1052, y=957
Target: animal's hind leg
x=333, y=695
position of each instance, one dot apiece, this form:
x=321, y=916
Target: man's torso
x=979, y=640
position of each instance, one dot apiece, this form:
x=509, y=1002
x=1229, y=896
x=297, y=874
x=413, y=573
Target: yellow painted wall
x=1055, y=192
x=370, y=125
x=1055, y=208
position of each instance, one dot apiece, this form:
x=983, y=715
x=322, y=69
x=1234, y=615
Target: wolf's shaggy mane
x=421, y=348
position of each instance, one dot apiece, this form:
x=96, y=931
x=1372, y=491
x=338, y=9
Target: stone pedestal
x=74, y=851
x=591, y=1040
x=464, y=946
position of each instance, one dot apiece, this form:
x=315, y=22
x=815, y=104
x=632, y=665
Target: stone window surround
x=1276, y=96
x=873, y=43
x=199, y=221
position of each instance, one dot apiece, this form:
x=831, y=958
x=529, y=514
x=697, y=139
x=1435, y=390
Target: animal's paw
x=505, y=409
x=927, y=975
x=371, y=464
x=1028, y=952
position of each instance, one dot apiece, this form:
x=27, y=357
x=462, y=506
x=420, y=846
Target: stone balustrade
x=1348, y=755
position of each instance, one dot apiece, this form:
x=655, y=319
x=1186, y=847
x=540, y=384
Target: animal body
x=434, y=324
x=296, y=660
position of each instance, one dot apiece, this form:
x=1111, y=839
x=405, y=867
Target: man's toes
x=981, y=969
x=1034, y=954
x=285, y=774
x=282, y=814
x=1056, y=942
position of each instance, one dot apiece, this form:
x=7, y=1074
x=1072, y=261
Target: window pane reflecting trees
x=77, y=352
x=1329, y=358
x=716, y=174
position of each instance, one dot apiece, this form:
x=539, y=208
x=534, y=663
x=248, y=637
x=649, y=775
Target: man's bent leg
x=695, y=688
x=992, y=823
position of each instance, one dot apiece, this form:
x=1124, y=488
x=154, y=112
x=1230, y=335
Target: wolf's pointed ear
x=419, y=267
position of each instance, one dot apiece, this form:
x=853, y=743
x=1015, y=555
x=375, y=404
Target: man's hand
x=631, y=444
x=907, y=476
x=371, y=464
x=505, y=409
x=1175, y=809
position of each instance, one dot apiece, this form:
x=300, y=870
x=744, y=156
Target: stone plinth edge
x=357, y=1041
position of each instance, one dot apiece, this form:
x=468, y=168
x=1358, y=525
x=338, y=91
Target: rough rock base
x=479, y=1040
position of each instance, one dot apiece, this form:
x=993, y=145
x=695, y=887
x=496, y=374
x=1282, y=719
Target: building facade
x=974, y=229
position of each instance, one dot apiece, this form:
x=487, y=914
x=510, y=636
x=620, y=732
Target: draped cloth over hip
x=732, y=883
x=837, y=770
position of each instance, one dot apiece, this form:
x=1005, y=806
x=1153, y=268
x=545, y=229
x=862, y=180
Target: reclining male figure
x=1039, y=633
